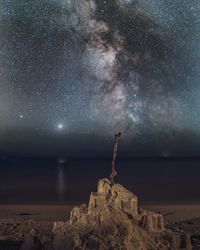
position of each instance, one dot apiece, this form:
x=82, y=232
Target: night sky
x=74, y=72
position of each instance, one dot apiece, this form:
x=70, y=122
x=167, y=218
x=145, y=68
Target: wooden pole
x=114, y=172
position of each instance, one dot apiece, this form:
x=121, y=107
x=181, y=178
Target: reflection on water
x=50, y=180
x=61, y=185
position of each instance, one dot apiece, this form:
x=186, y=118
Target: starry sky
x=74, y=72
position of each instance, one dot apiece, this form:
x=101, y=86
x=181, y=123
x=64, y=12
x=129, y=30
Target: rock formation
x=112, y=220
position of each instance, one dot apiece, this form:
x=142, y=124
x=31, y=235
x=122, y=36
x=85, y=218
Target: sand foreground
x=40, y=212
x=185, y=216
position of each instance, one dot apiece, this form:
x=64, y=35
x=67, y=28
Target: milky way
x=90, y=68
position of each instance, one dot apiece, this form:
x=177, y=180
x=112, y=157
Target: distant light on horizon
x=165, y=155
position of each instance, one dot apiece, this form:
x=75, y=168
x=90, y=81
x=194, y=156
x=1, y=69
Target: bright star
x=60, y=126
x=21, y=116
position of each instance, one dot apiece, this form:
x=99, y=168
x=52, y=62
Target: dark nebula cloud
x=75, y=72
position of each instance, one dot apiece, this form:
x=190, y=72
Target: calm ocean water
x=58, y=181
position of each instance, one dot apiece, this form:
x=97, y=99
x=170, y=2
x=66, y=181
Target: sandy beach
x=45, y=212
x=184, y=216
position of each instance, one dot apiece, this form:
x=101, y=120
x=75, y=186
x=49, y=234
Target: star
x=60, y=126
x=94, y=67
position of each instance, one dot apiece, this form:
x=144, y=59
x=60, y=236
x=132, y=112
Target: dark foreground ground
x=13, y=217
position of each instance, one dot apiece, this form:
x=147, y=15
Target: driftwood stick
x=114, y=172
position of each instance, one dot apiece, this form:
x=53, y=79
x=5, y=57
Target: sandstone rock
x=59, y=227
x=112, y=220
x=79, y=214
x=179, y=240
x=153, y=222
x=116, y=195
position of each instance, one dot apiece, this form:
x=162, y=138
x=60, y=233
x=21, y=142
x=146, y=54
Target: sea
x=71, y=180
